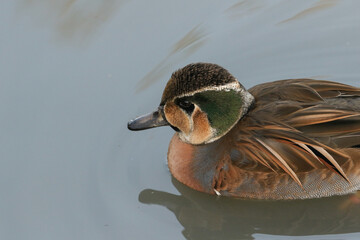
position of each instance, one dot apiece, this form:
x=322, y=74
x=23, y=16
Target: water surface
x=74, y=72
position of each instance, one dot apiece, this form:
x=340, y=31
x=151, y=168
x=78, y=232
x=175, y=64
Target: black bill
x=150, y=120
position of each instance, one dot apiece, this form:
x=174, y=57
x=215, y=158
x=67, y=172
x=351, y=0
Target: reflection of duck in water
x=210, y=217
x=287, y=139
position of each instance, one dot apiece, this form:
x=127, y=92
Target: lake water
x=73, y=72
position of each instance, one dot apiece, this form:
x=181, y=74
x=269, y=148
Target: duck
x=286, y=139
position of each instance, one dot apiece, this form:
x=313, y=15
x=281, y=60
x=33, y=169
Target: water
x=74, y=72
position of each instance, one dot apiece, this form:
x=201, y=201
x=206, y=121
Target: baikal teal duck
x=288, y=139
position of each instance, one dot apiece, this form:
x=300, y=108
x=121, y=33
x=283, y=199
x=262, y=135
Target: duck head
x=201, y=101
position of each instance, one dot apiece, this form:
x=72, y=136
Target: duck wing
x=299, y=125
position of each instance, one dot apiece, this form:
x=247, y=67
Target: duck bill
x=150, y=120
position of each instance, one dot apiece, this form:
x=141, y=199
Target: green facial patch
x=222, y=107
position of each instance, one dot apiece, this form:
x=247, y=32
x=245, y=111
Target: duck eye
x=186, y=105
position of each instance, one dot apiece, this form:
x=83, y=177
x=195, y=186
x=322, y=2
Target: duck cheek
x=177, y=118
x=202, y=131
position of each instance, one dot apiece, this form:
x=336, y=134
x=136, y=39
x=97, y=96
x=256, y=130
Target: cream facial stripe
x=235, y=86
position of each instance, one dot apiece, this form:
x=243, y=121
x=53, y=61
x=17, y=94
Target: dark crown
x=193, y=77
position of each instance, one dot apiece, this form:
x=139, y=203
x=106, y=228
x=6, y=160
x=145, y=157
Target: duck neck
x=194, y=165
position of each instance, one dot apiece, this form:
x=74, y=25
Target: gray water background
x=73, y=72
